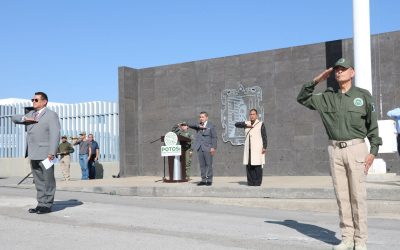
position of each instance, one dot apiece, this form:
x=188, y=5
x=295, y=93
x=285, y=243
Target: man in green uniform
x=348, y=116
x=183, y=130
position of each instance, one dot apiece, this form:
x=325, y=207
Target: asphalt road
x=95, y=221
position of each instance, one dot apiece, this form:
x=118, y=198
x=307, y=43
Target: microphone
x=202, y=126
x=175, y=128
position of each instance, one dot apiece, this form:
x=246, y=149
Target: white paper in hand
x=47, y=163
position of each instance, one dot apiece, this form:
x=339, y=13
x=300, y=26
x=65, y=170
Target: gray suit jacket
x=205, y=138
x=42, y=138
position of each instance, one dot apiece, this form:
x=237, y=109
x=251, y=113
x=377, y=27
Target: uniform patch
x=358, y=102
x=372, y=107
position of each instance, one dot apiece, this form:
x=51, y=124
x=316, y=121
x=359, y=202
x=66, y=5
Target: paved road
x=96, y=221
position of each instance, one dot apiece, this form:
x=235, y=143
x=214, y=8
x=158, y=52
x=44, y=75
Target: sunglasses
x=35, y=100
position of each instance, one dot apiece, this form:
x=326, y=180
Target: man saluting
x=349, y=116
x=42, y=137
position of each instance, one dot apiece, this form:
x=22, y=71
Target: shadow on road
x=242, y=183
x=316, y=232
x=61, y=205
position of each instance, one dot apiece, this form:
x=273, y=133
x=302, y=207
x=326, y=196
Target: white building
x=98, y=118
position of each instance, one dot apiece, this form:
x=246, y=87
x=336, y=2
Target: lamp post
x=362, y=44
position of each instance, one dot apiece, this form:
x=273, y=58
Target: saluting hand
x=263, y=151
x=323, y=76
x=368, y=162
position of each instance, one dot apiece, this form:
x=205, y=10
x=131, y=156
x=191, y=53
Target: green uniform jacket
x=65, y=147
x=345, y=116
x=186, y=134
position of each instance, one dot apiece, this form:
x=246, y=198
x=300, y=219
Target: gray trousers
x=205, y=161
x=45, y=183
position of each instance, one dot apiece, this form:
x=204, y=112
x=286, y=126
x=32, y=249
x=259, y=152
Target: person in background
x=94, y=156
x=84, y=152
x=395, y=114
x=64, y=150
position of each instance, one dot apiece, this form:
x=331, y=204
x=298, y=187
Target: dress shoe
x=43, y=210
x=201, y=183
x=344, y=245
x=360, y=246
x=33, y=210
x=208, y=183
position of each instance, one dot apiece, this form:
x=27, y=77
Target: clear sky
x=71, y=49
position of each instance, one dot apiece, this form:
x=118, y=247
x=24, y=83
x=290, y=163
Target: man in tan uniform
x=349, y=116
x=64, y=150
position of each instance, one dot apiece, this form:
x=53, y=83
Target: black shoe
x=43, y=210
x=209, y=183
x=201, y=183
x=33, y=210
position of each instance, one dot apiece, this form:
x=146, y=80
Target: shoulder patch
x=358, y=102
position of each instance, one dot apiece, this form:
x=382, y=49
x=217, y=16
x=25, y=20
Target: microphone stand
x=26, y=177
x=155, y=140
x=158, y=139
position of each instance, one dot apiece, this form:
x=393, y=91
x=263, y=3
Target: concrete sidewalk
x=277, y=187
x=310, y=193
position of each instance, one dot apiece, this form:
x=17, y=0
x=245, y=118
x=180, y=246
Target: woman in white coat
x=255, y=148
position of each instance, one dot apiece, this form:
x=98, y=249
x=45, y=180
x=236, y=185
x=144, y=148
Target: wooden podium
x=183, y=141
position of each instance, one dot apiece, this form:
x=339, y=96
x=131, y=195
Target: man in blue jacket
x=395, y=114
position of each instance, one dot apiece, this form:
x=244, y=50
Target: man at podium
x=182, y=129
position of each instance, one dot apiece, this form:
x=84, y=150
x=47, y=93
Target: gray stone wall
x=386, y=82
x=152, y=100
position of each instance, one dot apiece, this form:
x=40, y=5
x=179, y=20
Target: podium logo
x=171, y=150
x=170, y=139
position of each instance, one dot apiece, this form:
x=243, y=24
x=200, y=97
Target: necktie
x=36, y=116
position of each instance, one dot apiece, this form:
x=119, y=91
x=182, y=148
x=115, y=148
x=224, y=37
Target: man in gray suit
x=205, y=145
x=42, y=137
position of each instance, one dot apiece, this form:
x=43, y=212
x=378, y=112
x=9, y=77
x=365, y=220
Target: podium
x=173, y=161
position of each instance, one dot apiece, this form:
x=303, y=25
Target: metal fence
x=98, y=118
